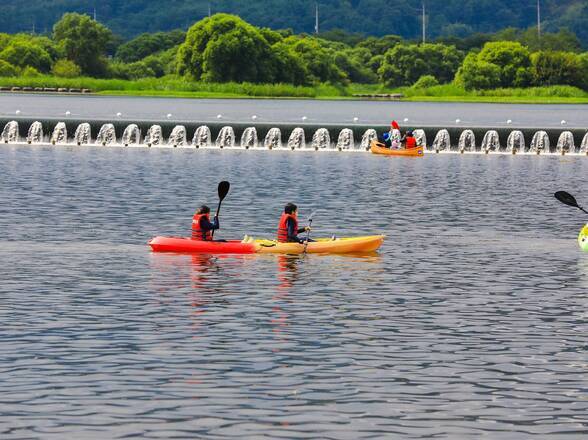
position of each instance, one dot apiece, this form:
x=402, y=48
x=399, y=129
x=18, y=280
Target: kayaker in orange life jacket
x=408, y=140
x=288, y=227
x=201, y=226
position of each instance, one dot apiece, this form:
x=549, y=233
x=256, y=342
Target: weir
x=336, y=137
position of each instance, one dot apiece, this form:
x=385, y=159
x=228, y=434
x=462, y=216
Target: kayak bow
x=583, y=239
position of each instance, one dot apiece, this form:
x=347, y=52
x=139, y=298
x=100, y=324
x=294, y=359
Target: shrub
x=66, y=69
x=405, y=64
x=425, y=82
x=7, y=69
x=22, y=53
x=30, y=71
x=558, y=68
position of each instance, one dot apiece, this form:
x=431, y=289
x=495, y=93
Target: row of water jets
x=321, y=139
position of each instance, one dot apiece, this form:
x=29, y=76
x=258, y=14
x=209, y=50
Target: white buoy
x=304, y=118
x=563, y=122
x=119, y=114
x=254, y=117
x=509, y=121
x=67, y=113
x=169, y=115
x=405, y=119
x=18, y=112
x=355, y=119
x=219, y=116
x=457, y=121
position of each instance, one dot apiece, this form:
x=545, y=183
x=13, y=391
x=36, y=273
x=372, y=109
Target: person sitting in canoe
x=390, y=142
x=201, y=226
x=288, y=229
x=408, y=140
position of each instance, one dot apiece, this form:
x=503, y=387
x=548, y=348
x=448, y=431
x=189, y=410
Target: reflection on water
x=470, y=322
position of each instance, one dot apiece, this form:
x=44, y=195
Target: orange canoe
x=379, y=148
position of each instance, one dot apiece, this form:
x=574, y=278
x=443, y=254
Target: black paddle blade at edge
x=566, y=199
x=223, y=189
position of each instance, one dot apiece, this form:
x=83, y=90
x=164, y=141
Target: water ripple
x=470, y=322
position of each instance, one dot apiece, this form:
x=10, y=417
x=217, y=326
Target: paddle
x=568, y=199
x=308, y=232
x=223, y=190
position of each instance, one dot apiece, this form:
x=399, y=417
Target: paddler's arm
x=292, y=233
x=206, y=225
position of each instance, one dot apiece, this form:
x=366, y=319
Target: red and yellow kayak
x=321, y=246
x=379, y=148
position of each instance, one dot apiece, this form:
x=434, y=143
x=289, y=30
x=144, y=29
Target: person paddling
x=409, y=140
x=288, y=227
x=202, y=227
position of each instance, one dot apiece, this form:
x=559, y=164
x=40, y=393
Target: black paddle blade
x=223, y=189
x=566, y=199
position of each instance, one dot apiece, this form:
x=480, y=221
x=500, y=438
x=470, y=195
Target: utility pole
x=209, y=11
x=316, y=23
x=94, y=13
x=424, y=24
x=539, y=19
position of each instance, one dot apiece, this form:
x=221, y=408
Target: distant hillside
x=376, y=17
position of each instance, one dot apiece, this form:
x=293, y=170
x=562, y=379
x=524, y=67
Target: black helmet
x=409, y=133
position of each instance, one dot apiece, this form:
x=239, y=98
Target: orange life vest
x=197, y=232
x=410, y=142
x=283, y=227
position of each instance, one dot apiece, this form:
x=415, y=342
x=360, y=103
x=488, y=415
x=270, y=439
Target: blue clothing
x=293, y=234
x=206, y=225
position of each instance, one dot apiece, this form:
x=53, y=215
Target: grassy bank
x=179, y=87
x=173, y=86
x=453, y=93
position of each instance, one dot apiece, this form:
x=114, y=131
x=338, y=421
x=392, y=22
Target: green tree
x=317, y=57
x=405, y=64
x=149, y=44
x=289, y=66
x=66, y=69
x=4, y=41
x=513, y=60
x=23, y=53
x=558, y=68
x=84, y=41
x=379, y=46
x=355, y=64
x=563, y=40
x=225, y=48
x=342, y=36
x=475, y=74
x=7, y=69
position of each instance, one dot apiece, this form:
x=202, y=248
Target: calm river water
x=281, y=111
x=471, y=321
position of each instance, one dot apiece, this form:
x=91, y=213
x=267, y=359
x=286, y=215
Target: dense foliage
x=448, y=18
x=226, y=49
x=83, y=41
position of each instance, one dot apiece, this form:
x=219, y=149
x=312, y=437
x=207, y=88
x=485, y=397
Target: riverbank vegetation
x=224, y=56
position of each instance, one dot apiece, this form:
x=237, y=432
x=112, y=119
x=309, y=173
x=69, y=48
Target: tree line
x=225, y=48
x=370, y=17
